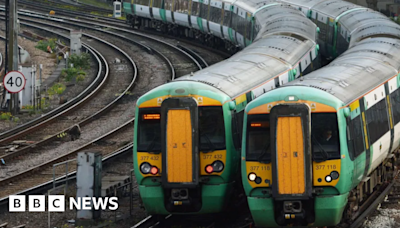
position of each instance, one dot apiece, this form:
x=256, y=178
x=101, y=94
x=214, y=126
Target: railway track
x=66, y=6
x=116, y=24
x=183, y=62
x=20, y=177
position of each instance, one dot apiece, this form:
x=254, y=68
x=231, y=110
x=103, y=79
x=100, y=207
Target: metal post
x=40, y=86
x=66, y=179
x=13, y=51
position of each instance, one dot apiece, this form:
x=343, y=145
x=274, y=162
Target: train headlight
x=328, y=178
x=334, y=175
x=218, y=166
x=145, y=168
x=252, y=176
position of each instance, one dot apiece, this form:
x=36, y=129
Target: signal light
x=209, y=169
x=154, y=170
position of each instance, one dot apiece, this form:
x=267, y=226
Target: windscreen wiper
x=323, y=152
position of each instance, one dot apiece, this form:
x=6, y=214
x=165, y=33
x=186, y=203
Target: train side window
x=143, y=2
x=227, y=18
x=204, y=11
x=157, y=4
x=168, y=4
x=395, y=101
x=215, y=14
x=377, y=121
x=195, y=9
x=356, y=141
x=182, y=6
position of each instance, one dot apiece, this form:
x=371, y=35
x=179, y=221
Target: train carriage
x=336, y=128
x=187, y=137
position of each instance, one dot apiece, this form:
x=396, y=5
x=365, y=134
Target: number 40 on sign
x=14, y=81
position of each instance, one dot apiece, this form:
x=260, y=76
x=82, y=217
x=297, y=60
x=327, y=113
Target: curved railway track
x=182, y=66
x=6, y=137
x=24, y=180
x=116, y=24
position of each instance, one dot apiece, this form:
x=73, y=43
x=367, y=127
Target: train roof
x=334, y=8
x=252, y=67
x=356, y=72
x=352, y=20
x=303, y=3
x=251, y=6
x=293, y=22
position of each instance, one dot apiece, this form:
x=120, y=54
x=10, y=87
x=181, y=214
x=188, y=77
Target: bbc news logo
x=56, y=203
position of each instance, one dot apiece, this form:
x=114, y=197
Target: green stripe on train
x=163, y=15
x=200, y=23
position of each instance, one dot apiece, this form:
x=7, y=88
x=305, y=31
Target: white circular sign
x=14, y=81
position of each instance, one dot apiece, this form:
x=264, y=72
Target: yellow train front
x=291, y=160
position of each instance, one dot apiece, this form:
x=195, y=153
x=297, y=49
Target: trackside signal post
x=12, y=52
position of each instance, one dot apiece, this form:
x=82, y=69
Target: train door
x=181, y=12
x=195, y=19
x=179, y=140
x=215, y=18
x=291, y=151
x=204, y=14
x=226, y=22
x=142, y=8
x=168, y=7
x=157, y=10
x=249, y=28
x=239, y=23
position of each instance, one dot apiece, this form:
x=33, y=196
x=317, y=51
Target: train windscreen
x=258, y=138
x=211, y=129
x=324, y=136
x=149, y=130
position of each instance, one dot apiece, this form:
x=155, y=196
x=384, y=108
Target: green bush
x=80, y=61
x=57, y=88
x=43, y=44
x=81, y=76
x=69, y=73
x=5, y=116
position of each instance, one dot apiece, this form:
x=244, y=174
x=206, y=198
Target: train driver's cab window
x=149, y=131
x=324, y=136
x=211, y=129
x=258, y=146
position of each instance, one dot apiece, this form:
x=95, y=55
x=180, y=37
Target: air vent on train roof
x=343, y=83
x=206, y=82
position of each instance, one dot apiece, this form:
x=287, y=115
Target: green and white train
x=188, y=131
x=312, y=150
x=317, y=147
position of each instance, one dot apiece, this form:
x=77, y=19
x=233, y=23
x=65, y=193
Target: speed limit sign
x=14, y=81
